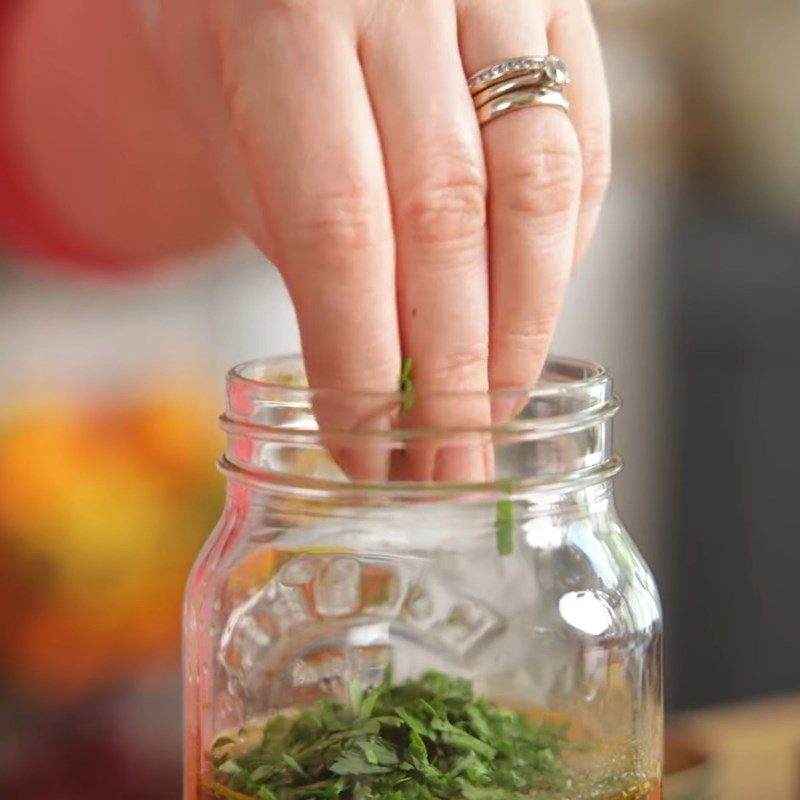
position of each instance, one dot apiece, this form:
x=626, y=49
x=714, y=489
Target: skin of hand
x=347, y=144
x=344, y=138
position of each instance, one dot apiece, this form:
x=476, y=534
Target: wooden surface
x=754, y=749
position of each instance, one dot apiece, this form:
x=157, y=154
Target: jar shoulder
x=571, y=563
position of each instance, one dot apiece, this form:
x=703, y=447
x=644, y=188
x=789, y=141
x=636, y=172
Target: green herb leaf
x=461, y=740
x=505, y=528
x=416, y=725
x=369, y=701
x=221, y=742
x=293, y=765
x=262, y=772
x=406, y=384
x=356, y=696
x=353, y=764
x=377, y=752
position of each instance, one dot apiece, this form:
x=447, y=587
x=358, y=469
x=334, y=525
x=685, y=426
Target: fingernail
x=504, y=409
x=455, y=464
x=362, y=464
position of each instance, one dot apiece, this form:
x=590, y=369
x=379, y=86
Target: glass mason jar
x=374, y=617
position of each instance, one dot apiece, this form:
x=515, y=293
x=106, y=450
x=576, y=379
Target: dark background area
x=735, y=606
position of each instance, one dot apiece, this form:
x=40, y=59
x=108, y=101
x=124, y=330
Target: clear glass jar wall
x=361, y=624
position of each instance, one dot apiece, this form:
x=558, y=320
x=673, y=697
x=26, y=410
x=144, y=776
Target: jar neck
x=557, y=444
x=257, y=501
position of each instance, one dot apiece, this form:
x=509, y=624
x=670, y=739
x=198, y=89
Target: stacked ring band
x=519, y=83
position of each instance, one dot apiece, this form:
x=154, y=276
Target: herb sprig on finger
x=505, y=526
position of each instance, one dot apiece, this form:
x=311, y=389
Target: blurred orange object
x=102, y=511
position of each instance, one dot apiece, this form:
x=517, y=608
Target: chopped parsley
x=504, y=527
x=406, y=384
x=425, y=738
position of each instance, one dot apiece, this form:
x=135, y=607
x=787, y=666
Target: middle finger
x=435, y=173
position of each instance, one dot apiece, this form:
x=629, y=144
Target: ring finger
x=534, y=168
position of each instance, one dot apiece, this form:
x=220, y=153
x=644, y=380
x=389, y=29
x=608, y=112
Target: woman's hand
x=348, y=145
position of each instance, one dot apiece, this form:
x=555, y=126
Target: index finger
x=309, y=138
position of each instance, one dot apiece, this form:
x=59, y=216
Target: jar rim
x=280, y=376
x=269, y=397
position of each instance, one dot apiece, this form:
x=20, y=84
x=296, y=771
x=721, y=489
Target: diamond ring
x=550, y=70
x=519, y=83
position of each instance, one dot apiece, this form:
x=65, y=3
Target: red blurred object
x=84, y=758
x=25, y=224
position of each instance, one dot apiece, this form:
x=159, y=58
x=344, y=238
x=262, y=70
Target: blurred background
x=109, y=388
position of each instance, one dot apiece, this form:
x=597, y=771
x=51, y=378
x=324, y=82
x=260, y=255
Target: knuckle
x=546, y=180
x=350, y=218
x=238, y=101
x=460, y=366
x=525, y=336
x=448, y=205
x=529, y=334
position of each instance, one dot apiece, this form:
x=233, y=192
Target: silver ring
x=528, y=81
x=550, y=70
x=522, y=98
